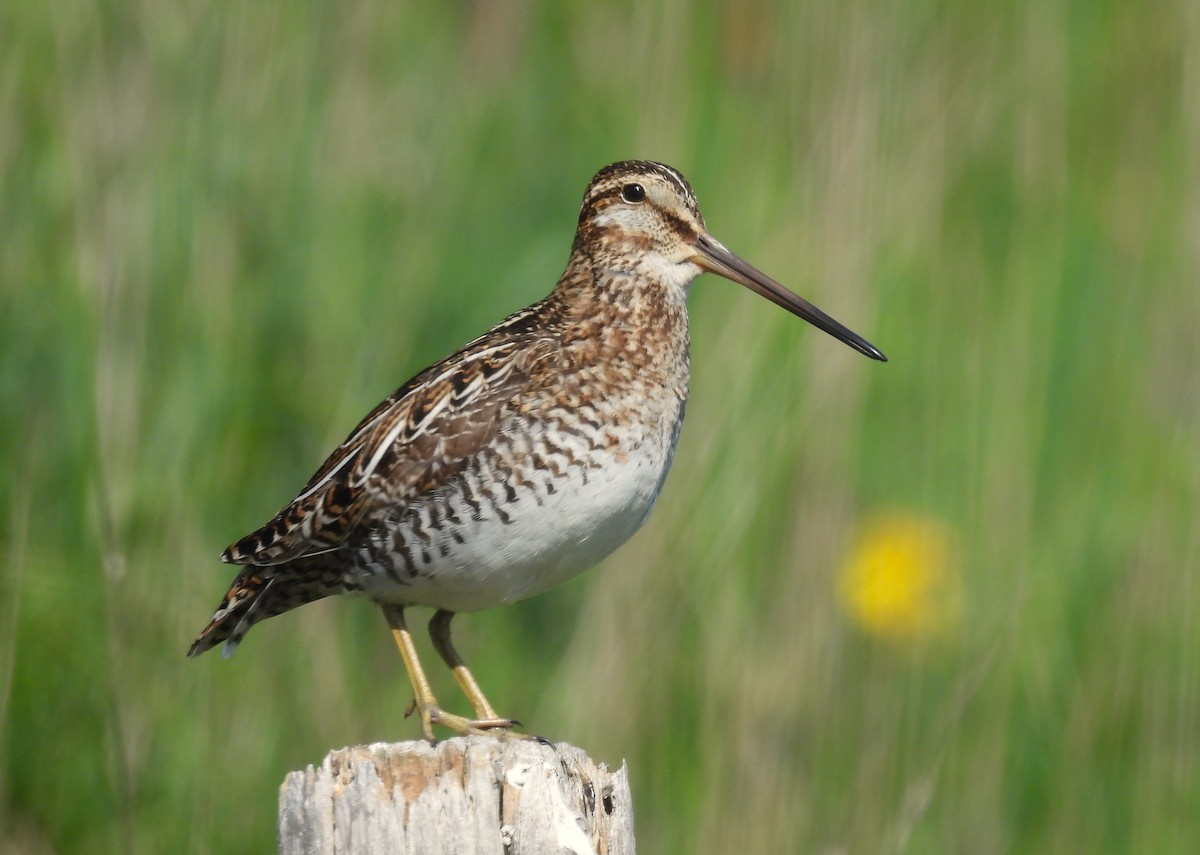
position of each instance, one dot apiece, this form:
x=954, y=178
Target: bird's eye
x=633, y=193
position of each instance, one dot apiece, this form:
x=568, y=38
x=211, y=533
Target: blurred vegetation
x=229, y=229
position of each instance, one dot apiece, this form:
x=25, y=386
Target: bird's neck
x=607, y=311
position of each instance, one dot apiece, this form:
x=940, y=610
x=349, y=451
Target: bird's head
x=641, y=219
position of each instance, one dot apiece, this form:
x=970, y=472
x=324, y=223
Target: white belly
x=555, y=527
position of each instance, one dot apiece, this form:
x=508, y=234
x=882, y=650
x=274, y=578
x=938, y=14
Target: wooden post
x=466, y=795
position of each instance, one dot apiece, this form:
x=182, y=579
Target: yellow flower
x=899, y=582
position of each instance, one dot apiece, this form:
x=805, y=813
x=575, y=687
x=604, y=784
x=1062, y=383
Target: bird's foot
x=432, y=714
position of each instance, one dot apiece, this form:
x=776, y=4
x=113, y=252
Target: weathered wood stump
x=465, y=795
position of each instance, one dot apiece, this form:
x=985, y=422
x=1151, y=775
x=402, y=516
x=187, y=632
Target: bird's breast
x=573, y=472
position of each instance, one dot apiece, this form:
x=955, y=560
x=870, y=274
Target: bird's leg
x=439, y=632
x=423, y=699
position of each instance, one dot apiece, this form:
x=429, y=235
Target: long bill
x=714, y=257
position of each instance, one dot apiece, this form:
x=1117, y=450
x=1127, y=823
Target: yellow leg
x=423, y=698
x=439, y=632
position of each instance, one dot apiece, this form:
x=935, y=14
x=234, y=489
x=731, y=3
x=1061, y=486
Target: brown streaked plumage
x=522, y=459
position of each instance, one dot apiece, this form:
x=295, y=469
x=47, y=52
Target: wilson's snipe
x=523, y=459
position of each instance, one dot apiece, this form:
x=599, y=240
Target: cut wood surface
x=466, y=795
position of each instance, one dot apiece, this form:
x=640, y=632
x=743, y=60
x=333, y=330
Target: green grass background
x=229, y=229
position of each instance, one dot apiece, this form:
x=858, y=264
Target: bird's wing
x=418, y=439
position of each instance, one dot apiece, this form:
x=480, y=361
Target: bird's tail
x=256, y=594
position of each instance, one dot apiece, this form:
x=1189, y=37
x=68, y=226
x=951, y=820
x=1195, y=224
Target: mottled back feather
x=414, y=442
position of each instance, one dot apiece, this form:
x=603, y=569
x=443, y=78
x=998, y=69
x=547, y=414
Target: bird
x=522, y=459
